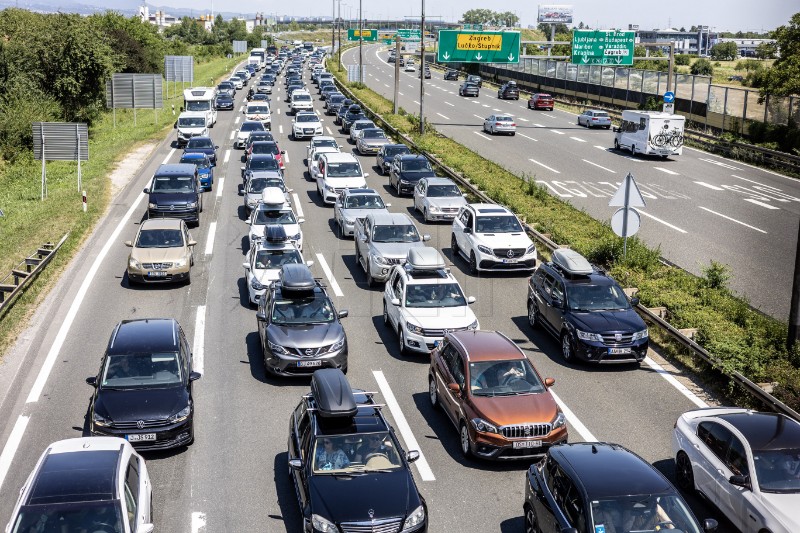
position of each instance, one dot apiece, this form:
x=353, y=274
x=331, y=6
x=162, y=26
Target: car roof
x=259, y=157
x=765, y=431
x=408, y=157
x=483, y=209
x=194, y=155
x=160, y=223
x=339, y=157
x=176, y=168
x=486, y=345
x=144, y=335
x=388, y=219
x=439, y=181
x=263, y=143
x=323, y=138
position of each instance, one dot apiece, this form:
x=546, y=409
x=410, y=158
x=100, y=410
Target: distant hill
x=87, y=7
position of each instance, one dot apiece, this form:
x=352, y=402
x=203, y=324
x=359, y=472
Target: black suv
x=342, y=111
x=587, y=310
x=349, y=469
x=509, y=91
x=175, y=192
x=605, y=488
x=354, y=113
x=451, y=75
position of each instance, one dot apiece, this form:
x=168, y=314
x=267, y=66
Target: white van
x=301, y=101
x=650, y=133
x=190, y=124
x=259, y=111
x=336, y=172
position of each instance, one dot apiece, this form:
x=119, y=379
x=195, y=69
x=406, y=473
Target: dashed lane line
x=578, y=139
x=328, y=274
x=762, y=204
x=220, y=184
x=667, y=224
x=212, y=231
x=227, y=156
x=198, y=349
x=709, y=186
x=545, y=166
x=451, y=105
x=297, y=207
x=726, y=217
x=481, y=135
x=666, y=171
x=444, y=117
x=598, y=166
x=12, y=444
x=531, y=138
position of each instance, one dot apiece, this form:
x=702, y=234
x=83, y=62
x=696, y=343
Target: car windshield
x=312, y=308
x=301, y=97
x=497, y=224
x=159, y=238
x=200, y=105
x=224, y=98
x=263, y=163
x=200, y=142
x=634, y=514
x=324, y=143
x=274, y=259
x=335, y=99
x=265, y=148
x=307, y=118
x=260, y=136
x=135, y=370
x=252, y=126
x=415, y=165
x=778, y=471
x=81, y=516
x=584, y=297
x=257, y=185
x=199, y=162
x=257, y=109
x=504, y=378
x=344, y=170
x=373, y=134
x=355, y=453
x=435, y=295
x=364, y=201
x=226, y=85
x=601, y=114
x=362, y=125
x=272, y=216
x=443, y=191
x=168, y=184
x=191, y=122
x=395, y=233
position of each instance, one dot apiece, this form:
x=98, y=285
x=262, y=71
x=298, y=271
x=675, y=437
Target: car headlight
x=586, y=336
x=380, y=259
x=191, y=205
x=412, y=328
x=560, y=420
x=181, y=415
x=337, y=345
x=416, y=517
x=531, y=249
x=254, y=238
x=133, y=263
x=474, y=325
x=484, y=249
x=322, y=524
x=330, y=188
x=483, y=426
x=277, y=348
x=435, y=209
x=349, y=221
x=101, y=420
x=256, y=285
x=179, y=263
x=151, y=205
x=639, y=335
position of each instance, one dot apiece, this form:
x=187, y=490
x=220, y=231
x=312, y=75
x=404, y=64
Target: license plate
x=157, y=274
x=509, y=260
x=527, y=444
x=141, y=437
x=618, y=351
x=309, y=363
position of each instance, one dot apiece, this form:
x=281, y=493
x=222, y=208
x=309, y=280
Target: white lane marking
x=675, y=383
x=169, y=155
x=481, y=135
x=451, y=105
x=220, y=183
x=444, y=117
x=236, y=121
x=280, y=129
x=328, y=130
x=477, y=116
x=538, y=125
x=523, y=119
x=198, y=522
x=731, y=219
x=227, y=156
x=577, y=139
x=422, y=465
x=762, y=204
x=401, y=94
x=603, y=148
x=557, y=132
x=666, y=170
x=523, y=135
x=233, y=134
x=719, y=164
x=598, y=166
x=297, y=207
x=709, y=186
x=572, y=419
x=415, y=102
x=286, y=157
x=484, y=105
x=476, y=102
x=756, y=182
x=328, y=274
x=66, y=324
x=198, y=349
x=13, y=442
x=545, y=166
x=385, y=84
x=212, y=230
x=676, y=228
x=278, y=111
x=497, y=110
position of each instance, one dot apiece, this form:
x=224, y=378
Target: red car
x=541, y=101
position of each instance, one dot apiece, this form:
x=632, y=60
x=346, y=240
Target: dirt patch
x=129, y=166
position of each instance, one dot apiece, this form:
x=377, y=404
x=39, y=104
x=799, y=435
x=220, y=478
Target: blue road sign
x=669, y=97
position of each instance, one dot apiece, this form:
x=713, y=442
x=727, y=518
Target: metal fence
x=179, y=68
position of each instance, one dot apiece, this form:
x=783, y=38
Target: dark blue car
x=205, y=171
x=203, y=145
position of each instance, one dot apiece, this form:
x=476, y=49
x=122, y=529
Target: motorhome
x=201, y=100
x=650, y=133
x=257, y=58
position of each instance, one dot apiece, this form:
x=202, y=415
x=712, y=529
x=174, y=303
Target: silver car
x=594, y=118
x=438, y=199
x=353, y=204
x=383, y=240
x=255, y=185
x=500, y=124
x=370, y=141
x=357, y=126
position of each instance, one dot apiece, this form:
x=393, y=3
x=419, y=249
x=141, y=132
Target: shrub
x=683, y=59
x=702, y=67
x=717, y=275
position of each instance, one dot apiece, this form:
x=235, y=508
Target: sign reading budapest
x=597, y=47
x=478, y=47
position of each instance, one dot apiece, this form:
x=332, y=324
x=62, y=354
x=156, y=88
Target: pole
x=340, y=34
x=397, y=57
x=360, y=44
x=422, y=73
x=78, y=137
x=552, y=38
x=44, y=168
x=333, y=25
x=670, y=74
x=625, y=217
x=794, y=310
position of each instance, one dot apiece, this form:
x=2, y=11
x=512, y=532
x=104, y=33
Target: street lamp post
x=339, y=23
x=360, y=43
x=422, y=74
x=333, y=25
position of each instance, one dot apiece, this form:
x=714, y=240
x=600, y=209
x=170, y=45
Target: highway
x=700, y=206
x=234, y=477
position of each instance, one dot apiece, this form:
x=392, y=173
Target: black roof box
x=332, y=394
x=275, y=233
x=297, y=277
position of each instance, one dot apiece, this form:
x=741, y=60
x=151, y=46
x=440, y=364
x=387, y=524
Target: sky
x=721, y=15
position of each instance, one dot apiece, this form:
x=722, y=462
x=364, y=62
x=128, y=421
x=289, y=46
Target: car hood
x=350, y=499
x=394, y=249
x=352, y=214
x=309, y=125
x=140, y=404
x=172, y=198
x=346, y=183
x=267, y=275
x=416, y=175
x=158, y=255
x=194, y=130
x=440, y=317
x=447, y=201
x=504, y=240
x=306, y=336
x=784, y=508
x=626, y=321
x=520, y=409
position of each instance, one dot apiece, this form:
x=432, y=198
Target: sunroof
x=75, y=477
x=491, y=210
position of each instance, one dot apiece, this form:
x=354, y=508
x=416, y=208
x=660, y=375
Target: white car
x=410, y=66
x=247, y=127
x=260, y=112
x=422, y=300
x=490, y=237
x=744, y=462
x=274, y=211
x=237, y=81
x=90, y=483
x=438, y=199
x=337, y=172
x=313, y=161
x=357, y=126
x=265, y=259
x=301, y=101
x=319, y=141
x=306, y=124
x=495, y=124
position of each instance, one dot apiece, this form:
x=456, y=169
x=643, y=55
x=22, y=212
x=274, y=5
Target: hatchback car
x=264, y=214
x=161, y=252
x=426, y=72
x=498, y=402
x=306, y=124
x=224, y=101
x=451, y=75
x=357, y=126
x=468, y=89
x=594, y=118
x=204, y=145
x=245, y=129
x=265, y=148
x=407, y=170
x=477, y=80
x=143, y=390
x=370, y=141
x=508, y=91
x=541, y=101
x=343, y=109
x=438, y=199
x=256, y=184
x=265, y=260
x=495, y=124
x=205, y=170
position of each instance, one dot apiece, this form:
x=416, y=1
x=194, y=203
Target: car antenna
x=594, y=449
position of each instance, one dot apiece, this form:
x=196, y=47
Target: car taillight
x=514, y=124
x=594, y=119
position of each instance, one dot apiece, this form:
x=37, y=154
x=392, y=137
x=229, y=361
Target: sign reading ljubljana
x=598, y=47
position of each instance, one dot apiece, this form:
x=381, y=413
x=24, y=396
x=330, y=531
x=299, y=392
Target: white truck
x=650, y=133
x=201, y=100
x=257, y=58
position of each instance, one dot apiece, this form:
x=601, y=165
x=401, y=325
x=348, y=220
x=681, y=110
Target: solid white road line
x=169, y=155
x=198, y=348
x=523, y=135
x=545, y=166
x=731, y=219
x=573, y=420
x=577, y=139
x=709, y=186
x=675, y=383
x=676, y=228
x=422, y=465
x=10, y=449
x=762, y=204
x=236, y=121
x=481, y=135
x=297, y=207
x=666, y=170
x=451, y=105
x=328, y=274
x=227, y=156
x=720, y=164
x=212, y=230
x=66, y=324
x=233, y=134
x=220, y=183
x=598, y=166
x=198, y=522
x=444, y=117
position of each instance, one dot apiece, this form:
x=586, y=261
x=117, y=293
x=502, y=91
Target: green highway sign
x=388, y=41
x=597, y=47
x=478, y=47
x=476, y=27
x=408, y=33
x=365, y=34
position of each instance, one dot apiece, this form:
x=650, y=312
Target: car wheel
x=616, y=144
x=433, y=394
x=385, y=314
x=513, y=133
x=401, y=339
x=566, y=348
x=473, y=264
x=533, y=315
x=370, y=279
x=454, y=246
x=397, y=188
x=531, y=523
x=425, y=215
x=188, y=280
x=380, y=170
x=684, y=475
x=466, y=449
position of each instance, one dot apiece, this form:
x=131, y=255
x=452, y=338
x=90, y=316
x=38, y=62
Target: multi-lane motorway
x=234, y=477
x=699, y=206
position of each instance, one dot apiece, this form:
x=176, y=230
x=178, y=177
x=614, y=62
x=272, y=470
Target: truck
x=201, y=100
x=383, y=240
x=650, y=133
x=190, y=124
x=258, y=57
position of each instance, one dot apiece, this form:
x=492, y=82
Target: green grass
x=726, y=69
x=30, y=222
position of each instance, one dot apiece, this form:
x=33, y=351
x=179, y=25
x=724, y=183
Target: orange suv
x=494, y=396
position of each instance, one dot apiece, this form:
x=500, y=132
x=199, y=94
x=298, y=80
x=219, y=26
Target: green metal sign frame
x=478, y=47
x=599, y=47
x=409, y=33
x=368, y=34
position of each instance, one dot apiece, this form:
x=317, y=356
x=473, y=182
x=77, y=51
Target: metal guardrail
x=27, y=270
x=752, y=388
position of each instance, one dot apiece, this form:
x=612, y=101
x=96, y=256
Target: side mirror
x=192, y=243
x=343, y=313
x=216, y=147
x=300, y=220
x=246, y=265
x=426, y=238
x=366, y=175
x=634, y=301
x=283, y=152
x=740, y=481
x=146, y=190
x=309, y=264
x=388, y=205
x=412, y=456
x=129, y=244
x=549, y=382
x=242, y=168
x=290, y=191
x=455, y=388
x=261, y=317
x=194, y=376
x=296, y=464
x=396, y=302
x=147, y=528
x=557, y=303
x=710, y=525
x=92, y=381
x=471, y=300
x=467, y=229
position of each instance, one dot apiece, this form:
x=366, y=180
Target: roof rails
x=572, y=262
x=332, y=393
x=296, y=277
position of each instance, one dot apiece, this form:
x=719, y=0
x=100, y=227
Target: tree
x=783, y=78
x=507, y=19
x=478, y=16
x=702, y=67
x=682, y=59
x=650, y=64
x=141, y=47
x=581, y=25
x=726, y=51
x=544, y=27
x=767, y=50
x=563, y=49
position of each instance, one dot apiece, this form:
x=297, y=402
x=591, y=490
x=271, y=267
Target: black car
x=224, y=101
x=343, y=108
x=586, y=310
x=299, y=326
x=258, y=136
x=204, y=145
x=407, y=170
x=386, y=154
x=175, y=192
x=451, y=75
x=143, y=390
x=427, y=72
x=354, y=113
x=333, y=102
x=328, y=90
x=509, y=91
x=604, y=488
x=468, y=89
x=349, y=469
x=477, y=80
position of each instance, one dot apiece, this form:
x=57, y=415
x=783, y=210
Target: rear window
x=252, y=126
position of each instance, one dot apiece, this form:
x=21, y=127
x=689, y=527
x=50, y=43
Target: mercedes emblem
x=618, y=336
x=140, y=424
x=510, y=253
x=371, y=513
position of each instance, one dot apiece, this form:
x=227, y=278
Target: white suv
x=490, y=237
x=422, y=300
x=301, y=101
x=337, y=172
